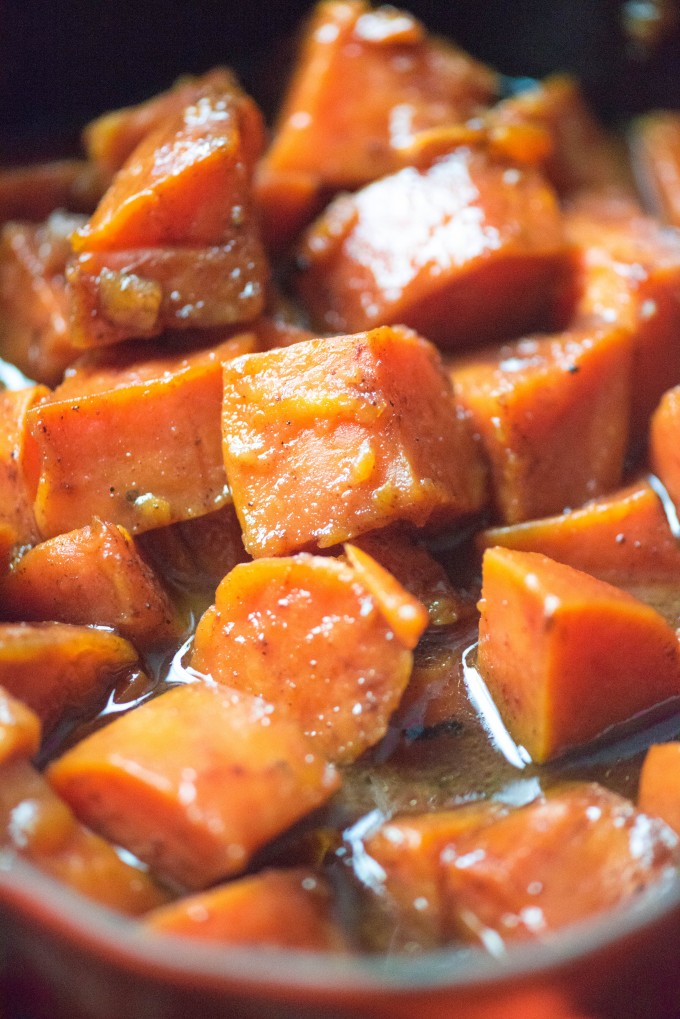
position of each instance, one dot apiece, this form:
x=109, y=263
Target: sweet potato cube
x=20, y=729
x=552, y=413
x=664, y=449
x=328, y=439
x=659, y=789
x=137, y=443
x=93, y=575
x=655, y=150
x=623, y=538
x=34, y=326
x=629, y=273
x=177, y=216
x=37, y=824
x=559, y=860
x=59, y=670
x=468, y=251
x=564, y=655
x=366, y=81
x=286, y=908
x=18, y=463
x=314, y=637
x=194, y=781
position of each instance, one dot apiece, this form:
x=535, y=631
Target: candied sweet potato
x=664, y=448
x=194, y=781
x=20, y=729
x=331, y=438
x=31, y=193
x=559, y=860
x=325, y=642
x=553, y=415
x=93, y=575
x=18, y=463
x=136, y=442
x=565, y=655
x=655, y=149
x=287, y=908
x=468, y=251
x=659, y=789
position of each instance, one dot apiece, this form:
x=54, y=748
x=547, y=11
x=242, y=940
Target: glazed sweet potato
x=655, y=149
x=664, y=450
x=31, y=193
x=176, y=220
x=20, y=729
x=659, y=789
x=134, y=441
x=326, y=642
x=194, y=781
x=286, y=908
x=329, y=439
x=559, y=860
x=18, y=463
x=553, y=415
x=467, y=252
x=93, y=575
x=566, y=656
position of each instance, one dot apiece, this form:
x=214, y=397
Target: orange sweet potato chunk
x=194, y=781
x=323, y=641
x=135, y=442
x=664, y=449
x=629, y=273
x=366, y=81
x=559, y=860
x=659, y=789
x=177, y=219
x=470, y=250
x=623, y=538
x=20, y=729
x=286, y=908
x=31, y=193
x=552, y=413
x=38, y=825
x=58, y=669
x=34, y=326
x=328, y=439
x=565, y=655
x=93, y=575
x=17, y=463
x=655, y=150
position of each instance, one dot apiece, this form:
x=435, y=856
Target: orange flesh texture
x=39, y=826
x=623, y=538
x=552, y=863
x=194, y=781
x=135, y=442
x=659, y=789
x=60, y=670
x=564, y=655
x=31, y=193
x=655, y=153
x=34, y=329
x=287, y=908
x=20, y=729
x=552, y=413
x=468, y=251
x=93, y=575
x=286, y=201
x=664, y=448
x=328, y=439
x=311, y=637
x=629, y=273
x=18, y=462
x=366, y=81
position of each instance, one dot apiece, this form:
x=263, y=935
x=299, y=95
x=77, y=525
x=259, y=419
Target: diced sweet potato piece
x=18, y=463
x=468, y=251
x=659, y=790
x=329, y=439
x=314, y=637
x=31, y=193
x=286, y=201
x=629, y=273
x=664, y=448
x=655, y=147
x=287, y=908
x=552, y=413
x=565, y=858
x=623, y=538
x=366, y=81
x=176, y=220
x=91, y=575
x=135, y=442
x=194, y=781
x=565, y=655
x=20, y=729
x=58, y=669
x=34, y=328
x=39, y=826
